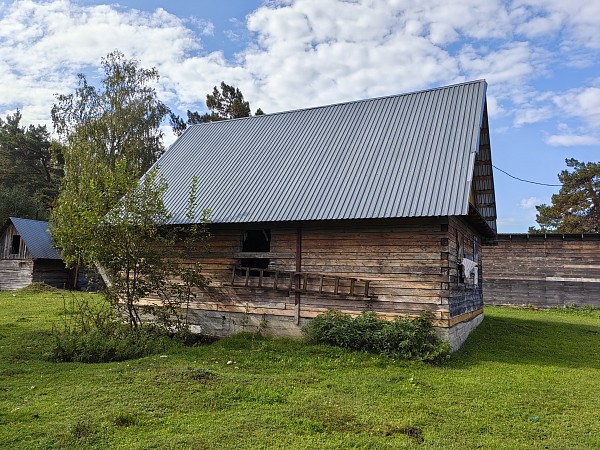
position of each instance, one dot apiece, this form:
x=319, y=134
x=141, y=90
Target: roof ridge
x=349, y=102
x=29, y=220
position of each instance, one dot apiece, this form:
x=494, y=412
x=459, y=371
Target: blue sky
x=541, y=59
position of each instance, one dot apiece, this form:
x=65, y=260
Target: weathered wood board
x=412, y=266
x=543, y=270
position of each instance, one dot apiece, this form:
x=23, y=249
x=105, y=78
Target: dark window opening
x=256, y=241
x=15, y=245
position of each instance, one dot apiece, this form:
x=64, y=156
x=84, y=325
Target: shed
x=28, y=255
x=372, y=205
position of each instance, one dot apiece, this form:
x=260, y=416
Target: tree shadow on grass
x=532, y=341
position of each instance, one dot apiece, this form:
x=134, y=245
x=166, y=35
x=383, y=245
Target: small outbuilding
x=28, y=255
x=374, y=205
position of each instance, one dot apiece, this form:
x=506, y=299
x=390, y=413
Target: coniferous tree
x=576, y=208
x=224, y=104
x=30, y=169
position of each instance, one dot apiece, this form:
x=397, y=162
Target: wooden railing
x=324, y=284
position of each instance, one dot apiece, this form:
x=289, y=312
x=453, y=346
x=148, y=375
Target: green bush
x=413, y=339
x=90, y=332
x=98, y=347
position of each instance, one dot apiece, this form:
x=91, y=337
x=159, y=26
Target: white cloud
x=571, y=140
x=531, y=115
x=43, y=45
x=206, y=27
x=530, y=203
x=305, y=52
x=583, y=103
x=579, y=17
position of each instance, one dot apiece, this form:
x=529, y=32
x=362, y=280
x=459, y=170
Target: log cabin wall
x=402, y=259
x=543, y=270
x=407, y=263
x=16, y=265
x=15, y=273
x=465, y=299
x=18, y=269
x=51, y=272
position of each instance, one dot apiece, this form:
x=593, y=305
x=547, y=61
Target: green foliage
x=97, y=347
x=111, y=136
x=120, y=121
x=90, y=332
x=30, y=169
x=413, y=339
x=226, y=103
x=17, y=201
x=135, y=247
x=105, y=216
x=576, y=208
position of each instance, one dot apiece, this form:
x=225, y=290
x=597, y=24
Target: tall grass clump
x=411, y=339
x=91, y=332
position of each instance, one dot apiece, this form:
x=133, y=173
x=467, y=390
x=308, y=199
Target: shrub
x=90, y=332
x=98, y=347
x=413, y=339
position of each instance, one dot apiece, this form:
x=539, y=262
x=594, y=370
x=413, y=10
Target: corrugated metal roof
x=37, y=238
x=407, y=155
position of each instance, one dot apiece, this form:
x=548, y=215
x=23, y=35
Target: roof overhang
x=481, y=225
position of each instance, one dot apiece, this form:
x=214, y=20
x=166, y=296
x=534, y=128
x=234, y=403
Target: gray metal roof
x=37, y=238
x=408, y=155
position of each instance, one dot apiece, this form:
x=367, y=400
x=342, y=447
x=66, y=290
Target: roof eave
x=481, y=225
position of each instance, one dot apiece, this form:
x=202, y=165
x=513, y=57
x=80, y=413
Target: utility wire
x=525, y=181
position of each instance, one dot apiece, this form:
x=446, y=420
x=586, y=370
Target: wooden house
x=27, y=255
x=373, y=205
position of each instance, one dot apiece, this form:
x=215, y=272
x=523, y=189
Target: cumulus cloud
x=531, y=115
x=206, y=27
x=577, y=20
x=583, y=103
x=43, y=45
x=308, y=52
x=571, y=140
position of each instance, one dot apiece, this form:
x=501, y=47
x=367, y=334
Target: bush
x=92, y=333
x=98, y=347
x=413, y=339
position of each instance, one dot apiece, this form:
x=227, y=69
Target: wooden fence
x=542, y=270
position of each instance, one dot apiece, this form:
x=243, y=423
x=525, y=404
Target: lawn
x=525, y=379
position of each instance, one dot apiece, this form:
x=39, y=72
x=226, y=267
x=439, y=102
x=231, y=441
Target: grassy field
x=525, y=379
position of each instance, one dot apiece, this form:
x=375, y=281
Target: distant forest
x=31, y=167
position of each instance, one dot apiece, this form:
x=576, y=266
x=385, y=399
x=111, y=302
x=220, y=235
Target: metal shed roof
x=37, y=238
x=408, y=155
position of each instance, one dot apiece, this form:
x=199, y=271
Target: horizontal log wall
x=405, y=261
x=411, y=266
x=51, y=272
x=466, y=296
x=543, y=270
x=15, y=274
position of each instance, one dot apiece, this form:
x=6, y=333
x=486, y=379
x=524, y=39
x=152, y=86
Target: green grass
x=525, y=379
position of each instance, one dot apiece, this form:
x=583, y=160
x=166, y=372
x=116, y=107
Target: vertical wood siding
x=6, y=244
x=465, y=299
x=51, y=272
x=19, y=270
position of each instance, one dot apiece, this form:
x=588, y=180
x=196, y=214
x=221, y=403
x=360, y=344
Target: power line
x=525, y=181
